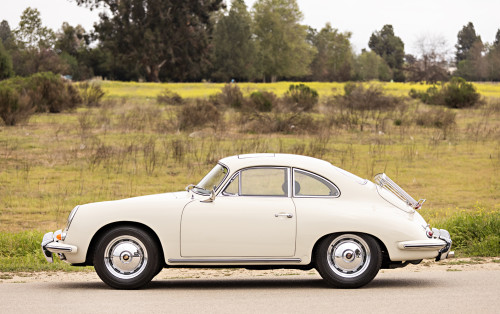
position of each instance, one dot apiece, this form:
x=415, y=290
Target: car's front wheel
x=126, y=257
x=348, y=260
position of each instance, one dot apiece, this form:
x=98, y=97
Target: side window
x=233, y=187
x=264, y=182
x=309, y=184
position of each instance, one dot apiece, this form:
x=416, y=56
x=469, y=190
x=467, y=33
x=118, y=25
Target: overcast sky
x=410, y=19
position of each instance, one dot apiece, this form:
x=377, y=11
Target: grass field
x=131, y=146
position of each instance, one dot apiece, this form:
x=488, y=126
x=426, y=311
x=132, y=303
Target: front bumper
x=441, y=241
x=50, y=245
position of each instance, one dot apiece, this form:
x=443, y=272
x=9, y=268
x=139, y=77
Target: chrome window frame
x=217, y=188
x=314, y=175
x=238, y=173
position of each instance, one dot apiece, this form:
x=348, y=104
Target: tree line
x=193, y=40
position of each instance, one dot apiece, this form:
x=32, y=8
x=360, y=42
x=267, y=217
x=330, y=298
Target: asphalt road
x=472, y=291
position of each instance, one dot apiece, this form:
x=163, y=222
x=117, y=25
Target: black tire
x=348, y=260
x=126, y=257
x=160, y=268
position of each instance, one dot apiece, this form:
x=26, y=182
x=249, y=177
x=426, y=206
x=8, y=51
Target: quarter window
x=309, y=184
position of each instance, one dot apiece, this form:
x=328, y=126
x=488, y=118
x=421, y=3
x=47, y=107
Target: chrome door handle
x=287, y=215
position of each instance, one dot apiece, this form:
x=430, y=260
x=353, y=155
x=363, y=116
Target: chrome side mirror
x=211, y=198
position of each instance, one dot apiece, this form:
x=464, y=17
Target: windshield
x=212, y=180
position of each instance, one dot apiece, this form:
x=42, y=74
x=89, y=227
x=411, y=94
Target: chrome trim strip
x=419, y=246
x=233, y=260
x=56, y=248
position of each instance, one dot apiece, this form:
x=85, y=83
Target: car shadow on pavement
x=268, y=283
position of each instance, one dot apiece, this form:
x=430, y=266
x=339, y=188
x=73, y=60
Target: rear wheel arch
x=348, y=259
x=385, y=252
x=103, y=230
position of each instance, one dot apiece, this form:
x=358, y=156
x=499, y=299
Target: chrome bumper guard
x=50, y=244
x=444, y=235
x=440, y=241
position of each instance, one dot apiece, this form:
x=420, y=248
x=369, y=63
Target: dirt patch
x=458, y=264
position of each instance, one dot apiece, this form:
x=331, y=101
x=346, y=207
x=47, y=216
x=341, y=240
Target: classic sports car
x=257, y=211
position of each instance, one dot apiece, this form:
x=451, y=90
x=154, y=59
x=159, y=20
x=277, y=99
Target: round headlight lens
x=71, y=216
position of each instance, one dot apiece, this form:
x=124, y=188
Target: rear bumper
x=50, y=244
x=441, y=242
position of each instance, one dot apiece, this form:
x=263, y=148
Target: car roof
x=287, y=160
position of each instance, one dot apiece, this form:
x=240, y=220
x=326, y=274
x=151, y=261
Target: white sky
x=410, y=19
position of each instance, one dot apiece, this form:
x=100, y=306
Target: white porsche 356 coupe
x=258, y=211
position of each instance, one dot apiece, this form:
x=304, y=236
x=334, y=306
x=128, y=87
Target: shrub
x=168, y=97
x=262, y=101
x=15, y=105
x=198, y=114
x=140, y=118
x=430, y=96
x=51, y=93
x=301, y=97
x=230, y=96
x=359, y=104
x=91, y=94
x=443, y=119
x=457, y=93
x=278, y=122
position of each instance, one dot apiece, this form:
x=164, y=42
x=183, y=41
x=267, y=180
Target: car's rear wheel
x=348, y=260
x=126, y=257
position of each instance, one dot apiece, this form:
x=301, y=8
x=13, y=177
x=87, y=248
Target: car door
x=253, y=216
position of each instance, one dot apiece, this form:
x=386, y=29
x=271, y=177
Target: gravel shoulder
x=458, y=264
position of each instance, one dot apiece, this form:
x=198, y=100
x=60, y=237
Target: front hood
x=163, y=200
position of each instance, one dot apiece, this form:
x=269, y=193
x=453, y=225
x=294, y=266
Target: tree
x=474, y=67
x=493, y=59
x=334, y=58
x=391, y=48
x=371, y=66
x=234, y=53
x=465, y=40
x=496, y=43
x=71, y=39
x=283, y=49
x=34, y=44
x=157, y=35
x=430, y=64
x=6, y=35
x=72, y=46
x=5, y=63
x=31, y=34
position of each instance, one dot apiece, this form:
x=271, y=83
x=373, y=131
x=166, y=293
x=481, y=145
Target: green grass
x=474, y=233
x=21, y=252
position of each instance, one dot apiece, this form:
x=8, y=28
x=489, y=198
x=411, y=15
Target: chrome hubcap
x=348, y=255
x=125, y=257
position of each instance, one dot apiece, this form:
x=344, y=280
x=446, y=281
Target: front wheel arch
x=89, y=259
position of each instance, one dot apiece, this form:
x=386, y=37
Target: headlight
x=71, y=216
